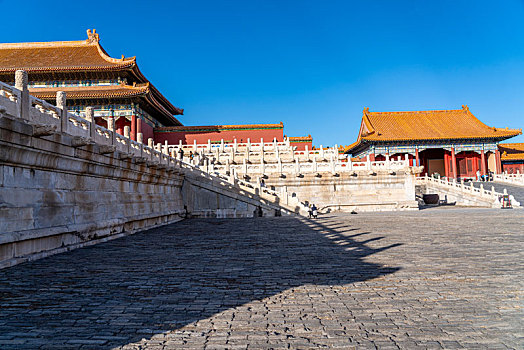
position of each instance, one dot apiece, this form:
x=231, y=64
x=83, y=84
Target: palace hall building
x=115, y=87
x=512, y=157
x=452, y=143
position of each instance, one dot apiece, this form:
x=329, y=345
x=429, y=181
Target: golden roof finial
x=366, y=110
x=92, y=37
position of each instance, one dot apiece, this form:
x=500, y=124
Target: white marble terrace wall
x=66, y=182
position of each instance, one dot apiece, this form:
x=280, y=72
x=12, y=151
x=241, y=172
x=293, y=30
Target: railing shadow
x=160, y=280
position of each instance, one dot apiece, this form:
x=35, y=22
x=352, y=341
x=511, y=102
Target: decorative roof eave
x=363, y=141
x=160, y=107
x=68, y=69
x=109, y=92
x=92, y=92
x=508, y=134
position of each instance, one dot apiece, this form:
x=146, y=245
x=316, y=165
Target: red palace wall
x=512, y=168
x=147, y=131
x=201, y=137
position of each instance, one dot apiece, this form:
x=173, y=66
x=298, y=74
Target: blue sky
x=314, y=65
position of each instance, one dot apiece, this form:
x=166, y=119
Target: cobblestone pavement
x=437, y=278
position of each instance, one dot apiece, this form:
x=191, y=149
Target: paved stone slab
x=432, y=279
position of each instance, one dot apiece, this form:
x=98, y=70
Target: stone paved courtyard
x=439, y=278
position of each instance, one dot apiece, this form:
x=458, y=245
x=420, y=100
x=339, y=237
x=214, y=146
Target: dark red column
x=482, y=163
x=497, y=162
x=446, y=164
x=119, y=125
x=453, y=163
x=417, y=159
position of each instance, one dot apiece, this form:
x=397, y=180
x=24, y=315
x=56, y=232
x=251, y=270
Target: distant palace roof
x=425, y=126
x=51, y=60
x=300, y=138
x=511, y=151
x=214, y=128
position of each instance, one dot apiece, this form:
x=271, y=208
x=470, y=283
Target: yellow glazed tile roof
x=60, y=56
x=511, y=151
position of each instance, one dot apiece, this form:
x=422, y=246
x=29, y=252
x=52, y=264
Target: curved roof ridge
x=41, y=44
x=425, y=111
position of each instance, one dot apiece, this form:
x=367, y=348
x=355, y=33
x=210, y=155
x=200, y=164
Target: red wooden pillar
x=372, y=157
x=482, y=163
x=498, y=164
x=446, y=164
x=453, y=163
x=119, y=125
x=133, y=127
x=417, y=160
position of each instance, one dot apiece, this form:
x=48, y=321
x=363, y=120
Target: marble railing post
x=21, y=81
x=140, y=137
x=61, y=103
x=194, y=146
x=150, y=143
x=127, y=135
x=208, y=145
x=90, y=116
x=307, y=153
x=111, y=127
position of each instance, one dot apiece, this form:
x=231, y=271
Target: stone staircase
x=483, y=194
x=516, y=191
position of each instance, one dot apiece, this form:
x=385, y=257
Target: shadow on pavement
x=159, y=280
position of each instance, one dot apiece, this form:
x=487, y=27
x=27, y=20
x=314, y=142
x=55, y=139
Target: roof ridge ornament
x=465, y=107
x=92, y=37
x=366, y=110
